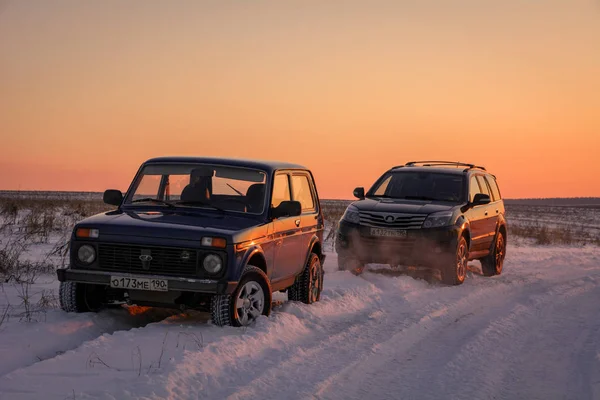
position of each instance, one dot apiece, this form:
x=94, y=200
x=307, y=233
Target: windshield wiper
x=237, y=191
x=199, y=203
x=150, y=199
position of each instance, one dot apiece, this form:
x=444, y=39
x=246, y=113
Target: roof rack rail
x=443, y=163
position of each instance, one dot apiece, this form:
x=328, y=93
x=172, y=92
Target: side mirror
x=287, y=209
x=481, y=198
x=359, y=193
x=113, y=197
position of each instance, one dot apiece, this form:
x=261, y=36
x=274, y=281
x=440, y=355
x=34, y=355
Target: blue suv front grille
x=157, y=260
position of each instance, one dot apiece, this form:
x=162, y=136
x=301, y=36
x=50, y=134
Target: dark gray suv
x=433, y=214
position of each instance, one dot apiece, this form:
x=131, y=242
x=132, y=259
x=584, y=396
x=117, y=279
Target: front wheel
x=493, y=263
x=250, y=300
x=309, y=284
x=456, y=272
x=81, y=297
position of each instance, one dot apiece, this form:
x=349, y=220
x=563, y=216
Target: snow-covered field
x=531, y=333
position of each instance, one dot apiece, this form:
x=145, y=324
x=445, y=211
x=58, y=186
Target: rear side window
x=483, y=186
x=473, y=188
x=281, y=190
x=494, y=186
x=302, y=192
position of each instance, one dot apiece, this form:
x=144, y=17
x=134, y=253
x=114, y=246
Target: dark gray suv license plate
x=398, y=233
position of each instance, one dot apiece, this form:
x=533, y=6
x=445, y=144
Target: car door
x=489, y=217
x=286, y=232
x=303, y=191
x=476, y=217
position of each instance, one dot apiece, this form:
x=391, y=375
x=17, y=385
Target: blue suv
x=210, y=234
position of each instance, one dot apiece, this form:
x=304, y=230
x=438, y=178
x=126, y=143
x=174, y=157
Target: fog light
x=212, y=263
x=86, y=254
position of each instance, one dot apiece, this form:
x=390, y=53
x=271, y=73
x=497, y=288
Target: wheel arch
x=254, y=256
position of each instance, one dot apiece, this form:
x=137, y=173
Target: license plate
x=157, y=285
x=388, y=232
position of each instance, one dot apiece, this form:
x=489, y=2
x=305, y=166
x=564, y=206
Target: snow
x=532, y=332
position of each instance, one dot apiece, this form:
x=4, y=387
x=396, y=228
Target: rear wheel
x=456, y=272
x=494, y=262
x=309, y=284
x=250, y=300
x=80, y=297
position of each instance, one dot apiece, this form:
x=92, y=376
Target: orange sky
x=89, y=90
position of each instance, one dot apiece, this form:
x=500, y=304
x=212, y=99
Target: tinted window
x=421, y=186
x=302, y=192
x=281, y=190
x=483, y=186
x=494, y=187
x=473, y=188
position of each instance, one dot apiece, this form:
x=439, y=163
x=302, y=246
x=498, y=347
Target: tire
x=351, y=264
x=494, y=262
x=252, y=297
x=309, y=284
x=456, y=270
x=79, y=297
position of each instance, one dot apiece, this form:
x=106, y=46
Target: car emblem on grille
x=185, y=256
x=146, y=259
x=389, y=218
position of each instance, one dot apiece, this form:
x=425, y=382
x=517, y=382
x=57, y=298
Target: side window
x=483, y=186
x=302, y=192
x=494, y=187
x=473, y=188
x=281, y=189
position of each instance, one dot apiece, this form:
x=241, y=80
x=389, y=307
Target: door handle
x=497, y=211
x=297, y=222
x=486, y=213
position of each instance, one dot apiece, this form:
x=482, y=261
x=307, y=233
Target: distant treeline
x=556, y=201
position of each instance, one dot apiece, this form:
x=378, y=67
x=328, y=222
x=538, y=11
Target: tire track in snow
x=60, y=335
x=431, y=363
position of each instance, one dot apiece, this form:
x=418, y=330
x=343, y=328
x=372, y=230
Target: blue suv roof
x=238, y=162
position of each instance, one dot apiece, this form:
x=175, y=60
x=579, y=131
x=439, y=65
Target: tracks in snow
x=530, y=333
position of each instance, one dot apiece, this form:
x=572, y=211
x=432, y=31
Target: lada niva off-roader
x=217, y=235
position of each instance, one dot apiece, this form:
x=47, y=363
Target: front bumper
x=421, y=247
x=175, y=284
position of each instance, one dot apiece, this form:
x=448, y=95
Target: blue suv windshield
x=218, y=187
x=427, y=186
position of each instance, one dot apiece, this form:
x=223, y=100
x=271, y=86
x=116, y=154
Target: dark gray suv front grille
x=391, y=220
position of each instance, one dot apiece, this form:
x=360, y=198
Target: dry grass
x=546, y=235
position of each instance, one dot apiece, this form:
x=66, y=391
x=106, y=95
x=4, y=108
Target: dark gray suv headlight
x=351, y=215
x=439, y=219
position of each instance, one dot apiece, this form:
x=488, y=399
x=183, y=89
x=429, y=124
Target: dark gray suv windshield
x=420, y=186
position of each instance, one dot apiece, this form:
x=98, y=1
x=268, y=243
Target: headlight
x=351, y=215
x=86, y=254
x=212, y=263
x=438, y=219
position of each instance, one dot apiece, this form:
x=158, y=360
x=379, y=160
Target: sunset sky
x=89, y=90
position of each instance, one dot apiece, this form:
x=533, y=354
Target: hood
x=168, y=224
x=402, y=206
